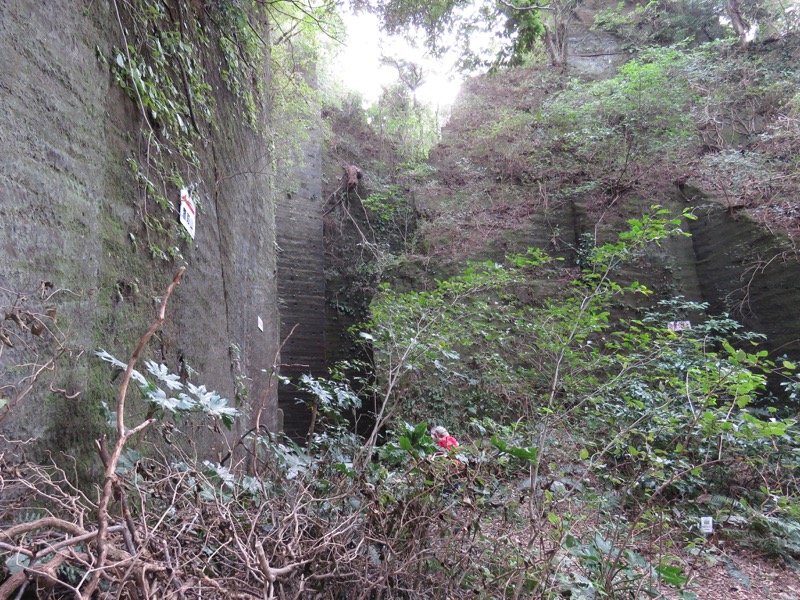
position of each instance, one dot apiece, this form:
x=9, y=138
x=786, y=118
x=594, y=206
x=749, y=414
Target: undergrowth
x=582, y=474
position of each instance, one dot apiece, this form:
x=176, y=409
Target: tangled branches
x=517, y=511
x=174, y=527
x=184, y=530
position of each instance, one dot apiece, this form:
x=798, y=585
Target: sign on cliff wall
x=188, y=211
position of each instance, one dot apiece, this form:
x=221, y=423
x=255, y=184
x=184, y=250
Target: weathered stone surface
x=301, y=282
x=68, y=215
x=750, y=273
x=593, y=54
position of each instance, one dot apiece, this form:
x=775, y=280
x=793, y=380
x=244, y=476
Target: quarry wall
x=73, y=236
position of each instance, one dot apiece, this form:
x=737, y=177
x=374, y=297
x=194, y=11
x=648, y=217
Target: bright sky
x=358, y=64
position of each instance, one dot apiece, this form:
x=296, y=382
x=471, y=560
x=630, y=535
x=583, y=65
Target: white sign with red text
x=188, y=211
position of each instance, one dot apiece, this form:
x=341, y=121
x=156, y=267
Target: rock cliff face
x=70, y=215
x=749, y=272
x=301, y=281
x=592, y=53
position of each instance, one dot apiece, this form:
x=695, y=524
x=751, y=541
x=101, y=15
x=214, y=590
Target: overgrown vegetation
x=700, y=21
x=389, y=142
x=594, y=433
x=476, y=347
x=159, y=68
x=672, y=121
x=518, y=25
x=174, y=58
x=588, y=435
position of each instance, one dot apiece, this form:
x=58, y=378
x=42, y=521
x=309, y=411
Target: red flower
x=447, y=442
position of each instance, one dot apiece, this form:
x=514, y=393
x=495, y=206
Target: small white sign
x=260, y=323
x=707, y=524
x=188, y=211
x=679, y=325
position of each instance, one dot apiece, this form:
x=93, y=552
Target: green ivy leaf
x=525, y=453
x=672, y=575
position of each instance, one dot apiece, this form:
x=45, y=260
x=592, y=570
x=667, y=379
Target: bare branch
x=124, y=435
x=525, y=8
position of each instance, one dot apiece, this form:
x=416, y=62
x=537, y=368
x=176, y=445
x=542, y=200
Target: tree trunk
x=740, y=25
x=557, y=44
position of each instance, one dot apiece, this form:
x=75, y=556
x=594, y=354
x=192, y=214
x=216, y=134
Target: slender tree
x=740, y=25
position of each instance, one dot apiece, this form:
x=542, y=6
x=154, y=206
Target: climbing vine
x=158, y=66
x=171, y=54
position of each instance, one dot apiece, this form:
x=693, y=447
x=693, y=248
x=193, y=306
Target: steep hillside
x=530, y=158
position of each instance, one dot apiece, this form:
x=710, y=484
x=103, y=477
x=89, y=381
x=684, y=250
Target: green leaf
x=525, y=453
x=672, y=575
x=405, y=443
x=774, y=429
x=584, y=454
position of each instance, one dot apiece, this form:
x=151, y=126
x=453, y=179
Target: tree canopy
x=493, y=33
